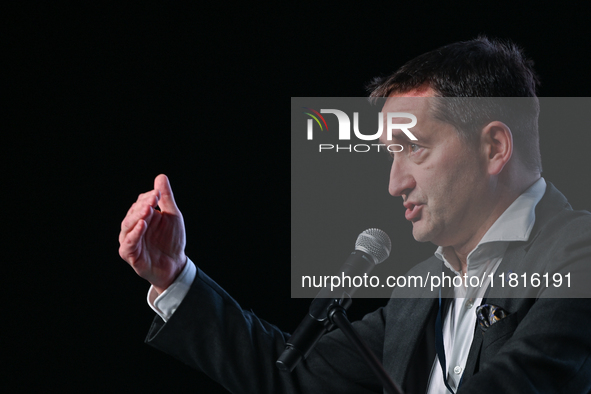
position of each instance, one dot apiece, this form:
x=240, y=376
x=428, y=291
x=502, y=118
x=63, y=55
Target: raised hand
x=153, y=241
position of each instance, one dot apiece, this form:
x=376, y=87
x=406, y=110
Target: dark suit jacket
x=544, y=345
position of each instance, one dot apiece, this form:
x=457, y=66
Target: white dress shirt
x=166, y=303
x=515, y=224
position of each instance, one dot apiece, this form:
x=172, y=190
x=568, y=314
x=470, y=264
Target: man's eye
x=414, y=148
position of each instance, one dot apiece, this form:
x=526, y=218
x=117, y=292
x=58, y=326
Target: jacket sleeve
x=212, y=333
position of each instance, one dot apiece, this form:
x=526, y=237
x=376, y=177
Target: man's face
x=442, y=180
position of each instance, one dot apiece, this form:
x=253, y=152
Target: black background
x=103, y=97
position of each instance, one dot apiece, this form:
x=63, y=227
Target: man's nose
x=401, y=180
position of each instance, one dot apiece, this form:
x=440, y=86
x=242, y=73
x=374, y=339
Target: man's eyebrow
x=398, y=134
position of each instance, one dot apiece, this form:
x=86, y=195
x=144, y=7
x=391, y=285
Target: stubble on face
x=447, y=188
x=444, y=183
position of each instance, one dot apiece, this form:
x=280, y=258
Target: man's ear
x=497, y=142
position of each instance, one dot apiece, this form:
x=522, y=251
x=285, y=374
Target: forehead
x=414, y=102
x=414, y=99
x=413, y=105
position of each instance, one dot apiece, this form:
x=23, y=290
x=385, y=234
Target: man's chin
x=419, y=233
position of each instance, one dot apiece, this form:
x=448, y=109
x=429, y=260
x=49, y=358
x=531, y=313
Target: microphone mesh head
x=374, y=242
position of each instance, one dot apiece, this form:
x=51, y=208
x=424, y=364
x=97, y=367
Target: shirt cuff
x=166, y=303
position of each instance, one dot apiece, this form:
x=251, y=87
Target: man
x=471, y=185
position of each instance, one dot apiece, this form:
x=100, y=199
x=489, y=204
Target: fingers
x=130, y=247
x=142, y=209
x=141, y=213
x=167, y=203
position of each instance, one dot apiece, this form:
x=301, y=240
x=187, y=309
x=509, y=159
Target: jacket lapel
x=551, y=203
x=407, y=348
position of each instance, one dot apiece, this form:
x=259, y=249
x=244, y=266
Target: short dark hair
x=483, y=68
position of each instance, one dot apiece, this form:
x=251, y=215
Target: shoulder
x=563, y=227
x=561, y=248
x=554, y=213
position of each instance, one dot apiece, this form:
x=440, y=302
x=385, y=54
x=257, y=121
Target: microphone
x=372, y=247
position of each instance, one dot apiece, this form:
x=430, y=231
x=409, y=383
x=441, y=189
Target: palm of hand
x=161, y=249
x=153, y=241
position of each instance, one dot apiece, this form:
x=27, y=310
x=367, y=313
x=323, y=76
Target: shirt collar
x=515, y=224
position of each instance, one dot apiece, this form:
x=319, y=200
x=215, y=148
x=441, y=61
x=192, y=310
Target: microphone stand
x=338, y=316
x=324, y=314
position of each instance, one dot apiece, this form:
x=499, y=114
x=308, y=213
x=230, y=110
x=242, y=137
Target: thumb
x=166, y=202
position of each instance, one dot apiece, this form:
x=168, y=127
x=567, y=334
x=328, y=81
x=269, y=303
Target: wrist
x=178, y=269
